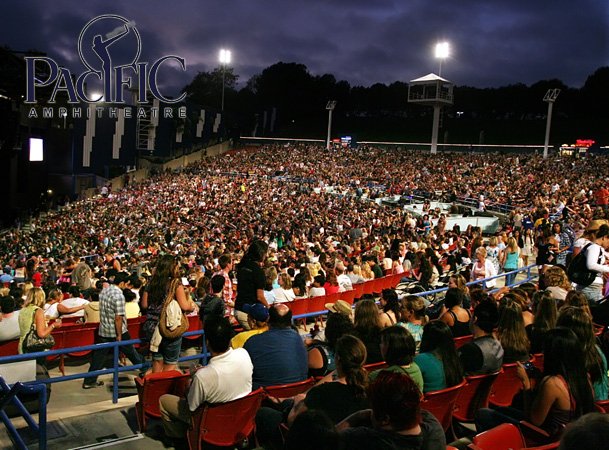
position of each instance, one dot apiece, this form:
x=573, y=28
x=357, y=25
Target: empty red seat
x=503, y=437
x=290, y=390
x=442, y=403
x=149, y=390
x=473, y=396
x=506, y=386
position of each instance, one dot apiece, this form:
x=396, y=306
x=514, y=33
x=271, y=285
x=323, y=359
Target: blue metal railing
x=10, y=397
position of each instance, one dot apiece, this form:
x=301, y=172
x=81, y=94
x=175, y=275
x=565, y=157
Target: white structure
x=432, y=90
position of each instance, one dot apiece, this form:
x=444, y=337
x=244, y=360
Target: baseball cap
x=340, y=307
x=257, y=312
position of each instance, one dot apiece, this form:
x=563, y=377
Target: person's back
x=483, y=354
x=279, y=355
x=213, y=304
x=9, y=327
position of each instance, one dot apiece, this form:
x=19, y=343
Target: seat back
x=378, y=285
x=59, y=336
x=152, y=386
x=602, y=406
x=442, y=403
x=299, y=306
x=290, y=390
x=375, y=366
x=462, y=341
x=359, y=290
x=506, y=386
x=317, y=304
x=387, y=281
x=79, y=337
x=348, y=296
x=194, y=324
x=473, y=396
x=225, y=424
x=395, y=280
x=503, y=437
x=9, y=348
x=369, y=286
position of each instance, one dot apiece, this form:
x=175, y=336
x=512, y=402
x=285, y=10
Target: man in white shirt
x=227, y=377
x=344, y=282
x=9, y=327
x=66, y=307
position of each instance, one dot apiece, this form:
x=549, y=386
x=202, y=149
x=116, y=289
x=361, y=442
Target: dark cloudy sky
x=493, y=42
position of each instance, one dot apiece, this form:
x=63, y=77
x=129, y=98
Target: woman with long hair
x=562, y=395
x=368, y=328
x=511, y=333
x=284, y=293
x=366, y=271
x=520, y=297
x=556, y=282
x=251, y=280
x=390, y=308
x=398, y=349
x=166, y=277
x=527, y=246
x=494, y=253
x=544, y=307
x=341, y=396
x=577, y=320
x=331, y=286
x=577, y=299
x=509, y=260
x=456, y=317
x=33, y=314
x=321, y=354
x=413, y=317
x=438, y=359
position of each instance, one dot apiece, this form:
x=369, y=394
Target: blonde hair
x=4, y=292
x=492, y=241
x=512, y=245
x=357, y=270
x=36, y=297
x=367, y=271
x=481, y=251
x=286, y=281
x=26, y=288
x=555, y=276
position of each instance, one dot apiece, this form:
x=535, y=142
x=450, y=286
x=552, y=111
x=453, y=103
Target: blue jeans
x=99, y=356
x=169, y=350
x=593, y=293
x=509, y=279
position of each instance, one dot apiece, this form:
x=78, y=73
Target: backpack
x=578, y=269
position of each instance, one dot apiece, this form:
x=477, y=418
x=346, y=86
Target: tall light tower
x=550, y=97
x=330, y=107
x=224, y=60
x=442, y=52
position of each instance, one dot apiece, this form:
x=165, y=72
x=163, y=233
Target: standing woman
x=595, y=262
x=166, y=273
x=33, y=313
x=527, y=246
x=510, y=260
x=250, y=280
x=494, y=253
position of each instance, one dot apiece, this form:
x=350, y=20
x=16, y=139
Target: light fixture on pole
x=224, y=60
x=330, y=107
x=550, y=97
x=442, y=52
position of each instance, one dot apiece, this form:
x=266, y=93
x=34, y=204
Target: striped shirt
x=111, y=304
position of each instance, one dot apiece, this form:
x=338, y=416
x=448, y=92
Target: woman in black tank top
x=453, y=301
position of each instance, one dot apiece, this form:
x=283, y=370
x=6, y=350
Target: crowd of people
x=236, y=238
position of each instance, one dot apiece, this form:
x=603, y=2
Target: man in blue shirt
x=279, y=355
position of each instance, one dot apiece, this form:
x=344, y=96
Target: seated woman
x=284, y=292
x=577, y=299
x=556, y=282
x=299, y=286
x=520, y=296
x=331, y=286
x=439, y=362
x=456, y=317
x=397, y=348
x=340, y=394
x=413, y=317
x=390, y=308
x=322, y=354
x=511, y=333
x=544, y=307
x=577, y=320
x=368, y=328
x=562, y=395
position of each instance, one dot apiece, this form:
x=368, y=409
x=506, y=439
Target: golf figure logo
x=95, y=54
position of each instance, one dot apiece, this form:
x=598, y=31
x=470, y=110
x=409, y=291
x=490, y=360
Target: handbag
x=183, y=327
x=33, y=343
x=578, y=269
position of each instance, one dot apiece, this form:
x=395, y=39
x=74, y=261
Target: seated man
x=9, y=326
x=258, y=318
x=227, y=377
x=395, y=421
x=73, y=306
x=279, y=355
x=483, y=354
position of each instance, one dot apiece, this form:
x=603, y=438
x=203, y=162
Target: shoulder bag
x=180, y=329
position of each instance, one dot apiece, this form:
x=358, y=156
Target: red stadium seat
x=442, y=403
x=225, y=424
x=368, y=287
x=290, y=390
x=149, y=390
x=506, y=386
x=473, y=396
x=503, y=437
x=359, y=291
x=299, y=307
x=603, y=406
x=462, y=340
x=375, y=366
x=9, y=348
x=538, y=361
x=194, y=324
x=348, y=296
x=377, y=287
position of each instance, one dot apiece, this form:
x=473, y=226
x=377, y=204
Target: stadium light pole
x=224, y=60
x=442, y=52
x=550, y=98
x=330, y=107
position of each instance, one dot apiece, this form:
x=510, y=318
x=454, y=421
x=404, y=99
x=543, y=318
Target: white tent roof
x=430, y=77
